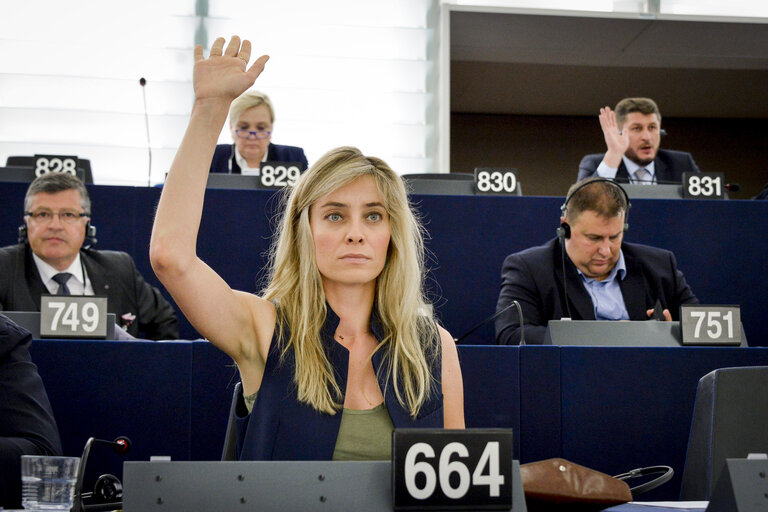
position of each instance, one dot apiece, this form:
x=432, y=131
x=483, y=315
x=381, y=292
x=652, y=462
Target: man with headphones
x=51, y=258
x=588, y=272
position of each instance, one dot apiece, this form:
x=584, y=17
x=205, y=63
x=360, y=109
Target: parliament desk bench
x=720, y=246
x=607, y=408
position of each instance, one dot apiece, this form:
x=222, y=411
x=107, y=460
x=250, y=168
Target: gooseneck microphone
x=493, y=317
x=565, y=278
x=108, y=491
x=143, y=84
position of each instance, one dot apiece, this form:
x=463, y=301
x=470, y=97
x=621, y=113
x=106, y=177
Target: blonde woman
x=251, y=123
x=338, y=351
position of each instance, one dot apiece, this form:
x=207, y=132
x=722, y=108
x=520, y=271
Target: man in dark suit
x=51, y=259
x=588, y=272
x=632, y=136
x=251, y=121
x=27, y=426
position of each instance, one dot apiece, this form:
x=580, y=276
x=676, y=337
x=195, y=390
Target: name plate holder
x=495, y=181
x=704, y=324
x=705, y=185
x=270, y=176
x=633, y=333
x=439, y=469
x=741, y=487
x=595, y=333
x=55, y=163
x=265, y=486
x=279, y=175
x=73, y=316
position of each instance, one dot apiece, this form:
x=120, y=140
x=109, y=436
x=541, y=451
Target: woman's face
x=255, y=119
x=350, y=228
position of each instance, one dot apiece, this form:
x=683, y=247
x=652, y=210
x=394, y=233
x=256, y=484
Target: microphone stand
x=493, y=317
x=120, y=445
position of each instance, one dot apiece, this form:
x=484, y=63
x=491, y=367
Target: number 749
x=67, y=314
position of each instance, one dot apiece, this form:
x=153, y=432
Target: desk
x=719, y=245
x=611, y=409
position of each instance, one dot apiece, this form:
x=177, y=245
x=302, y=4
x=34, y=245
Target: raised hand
x=224, y=74
x=616, y=141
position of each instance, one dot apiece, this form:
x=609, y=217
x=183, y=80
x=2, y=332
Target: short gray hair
x=53, y=182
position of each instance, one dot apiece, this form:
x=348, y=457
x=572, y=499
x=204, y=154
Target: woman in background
x=251, y=120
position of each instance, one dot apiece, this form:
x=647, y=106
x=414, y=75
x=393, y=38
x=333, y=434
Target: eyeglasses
x=258, y=134
x=46, y=216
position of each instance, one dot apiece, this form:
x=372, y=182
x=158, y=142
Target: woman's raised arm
x=238, y=323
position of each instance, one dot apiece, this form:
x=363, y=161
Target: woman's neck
x=353, y=305
x=253, y=163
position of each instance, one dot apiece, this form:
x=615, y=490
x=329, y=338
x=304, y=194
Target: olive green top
x=363, y=434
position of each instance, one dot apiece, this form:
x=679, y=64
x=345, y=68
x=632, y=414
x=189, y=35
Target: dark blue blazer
x=669, y=166
x=224, y=157
x=534, y=278
x=282, y=428
x=27, y=426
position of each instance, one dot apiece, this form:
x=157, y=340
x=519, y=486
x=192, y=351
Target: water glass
x=48, y=483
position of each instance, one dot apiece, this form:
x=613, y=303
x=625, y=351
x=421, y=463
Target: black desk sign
x=73, y=316
x=704, y=185
x=710, y=325
x=278, y=175
x=436, y=469
x=55, y=163
x=495, y=181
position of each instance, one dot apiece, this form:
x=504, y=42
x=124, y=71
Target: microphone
x=143, y=84
x=658, y=311
x=565, y=278
x=120, y=445
x=493, y=317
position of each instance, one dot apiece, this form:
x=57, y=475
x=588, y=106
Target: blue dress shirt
x=606, y=294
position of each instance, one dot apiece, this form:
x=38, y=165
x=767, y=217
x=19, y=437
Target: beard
x=640, y=161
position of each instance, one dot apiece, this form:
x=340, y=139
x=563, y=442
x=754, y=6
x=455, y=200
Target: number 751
x=714, y=323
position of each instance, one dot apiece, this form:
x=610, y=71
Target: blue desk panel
x=624, y=408
x=611, y=409
x=720, y=245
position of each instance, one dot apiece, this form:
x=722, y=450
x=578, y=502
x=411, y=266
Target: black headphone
x=666, y=473
x=107, y=495
x=90, y=235
x=564, y=231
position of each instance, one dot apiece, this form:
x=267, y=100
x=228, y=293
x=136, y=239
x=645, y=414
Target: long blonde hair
x=411, y=343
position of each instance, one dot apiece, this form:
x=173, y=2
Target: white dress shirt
x=78, y=284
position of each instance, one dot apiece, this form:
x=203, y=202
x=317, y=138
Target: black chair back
x=730, y=420
x=229, y=452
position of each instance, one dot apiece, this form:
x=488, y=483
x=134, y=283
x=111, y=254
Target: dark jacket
x=224, y=160
x=111, y=273
x=27, y=426
x=669, y=166
x=282, y=428
x=534, y=277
